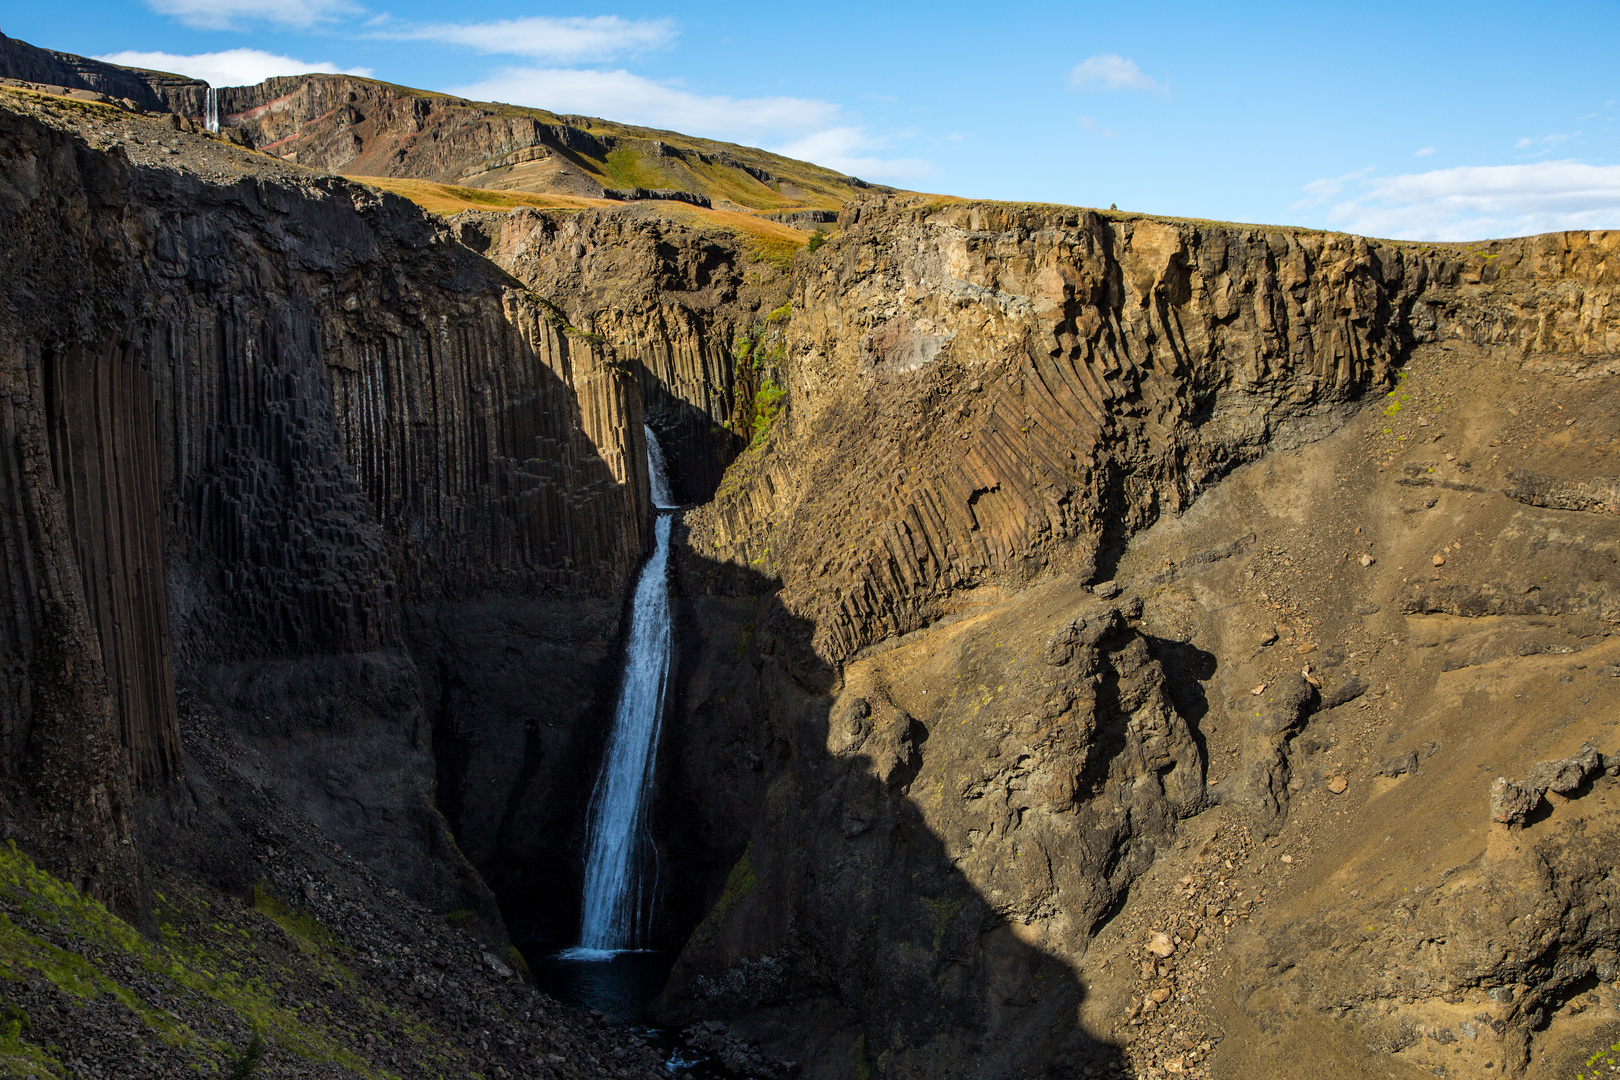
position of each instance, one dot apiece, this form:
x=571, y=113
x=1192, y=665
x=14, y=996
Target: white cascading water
x=658, y=472
x=617, y=896
x=211, y=110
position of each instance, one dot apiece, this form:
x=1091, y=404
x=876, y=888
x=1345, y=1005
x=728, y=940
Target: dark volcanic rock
x=316, y=412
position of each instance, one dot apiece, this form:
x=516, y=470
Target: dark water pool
x=622, y=985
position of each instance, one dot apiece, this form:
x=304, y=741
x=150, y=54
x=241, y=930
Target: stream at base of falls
x=622, y=985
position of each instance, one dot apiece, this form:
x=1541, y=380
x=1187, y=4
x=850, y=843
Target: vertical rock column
x=103, y=454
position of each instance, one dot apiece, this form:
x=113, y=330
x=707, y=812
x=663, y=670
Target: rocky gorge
x=1098, y=638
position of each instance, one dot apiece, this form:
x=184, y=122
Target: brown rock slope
x=989, y=404
x=362, y=127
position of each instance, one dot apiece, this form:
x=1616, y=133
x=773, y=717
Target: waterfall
x=618, y=897
x=658, y=472
x=211, y=110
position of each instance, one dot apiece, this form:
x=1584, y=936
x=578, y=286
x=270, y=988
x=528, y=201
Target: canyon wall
x=157, y=91
x=271, y=428
x=988, y=404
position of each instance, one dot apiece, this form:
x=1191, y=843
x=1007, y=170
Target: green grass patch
x=301, y=926
x=206, y=954
x=515, y=960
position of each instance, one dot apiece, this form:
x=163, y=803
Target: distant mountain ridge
x=367, y=128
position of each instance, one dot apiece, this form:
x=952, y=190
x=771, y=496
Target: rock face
x=967, y=807
x=988, y=406
x=1100, y=641
x=672, y=298
x=271, y=443
x=1025, y=388
x=153, y=90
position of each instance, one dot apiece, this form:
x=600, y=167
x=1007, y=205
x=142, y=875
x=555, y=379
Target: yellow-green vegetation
x=1604, y=1060
x=767, y=405
x=625, y=167
x=215, y=963
x=863, y=1060
x=450, y=199
x=310, y=935
x=739, y=883
x=461, y=917
x=769, y=242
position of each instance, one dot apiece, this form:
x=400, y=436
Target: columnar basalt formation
x=672, y=298
x=988, y=405
x=252, y=383
x=1109, y=640
x=1045, y=382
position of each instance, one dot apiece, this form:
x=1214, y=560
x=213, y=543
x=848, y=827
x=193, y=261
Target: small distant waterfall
x=211, y=110
x=618, y=897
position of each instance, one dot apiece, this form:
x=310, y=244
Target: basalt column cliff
x=264, y=427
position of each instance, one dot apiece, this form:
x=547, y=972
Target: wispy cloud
x=229, y=14
x=1320, y=191
x=1425, y=152
x=1113, y=72
x=805, y=128
x=1545, y=142
x=1092, y=127
x=1473, y=202
x=635, y=99
x=542, y=37
x=842, y=148
x=233, y=67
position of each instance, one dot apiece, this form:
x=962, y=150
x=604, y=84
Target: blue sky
x=1425, y=121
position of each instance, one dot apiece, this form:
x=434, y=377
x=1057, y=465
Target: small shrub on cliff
x=817, y=238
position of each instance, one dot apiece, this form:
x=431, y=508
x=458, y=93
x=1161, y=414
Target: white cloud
x=224, y=14
x=840, y=148
x=1113, y=72
x=1425, y=152
x=1476, y=202
x=633, y=99
x=1092, y=127
x=804, y=128
x=233, y=67
x=545, y=38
